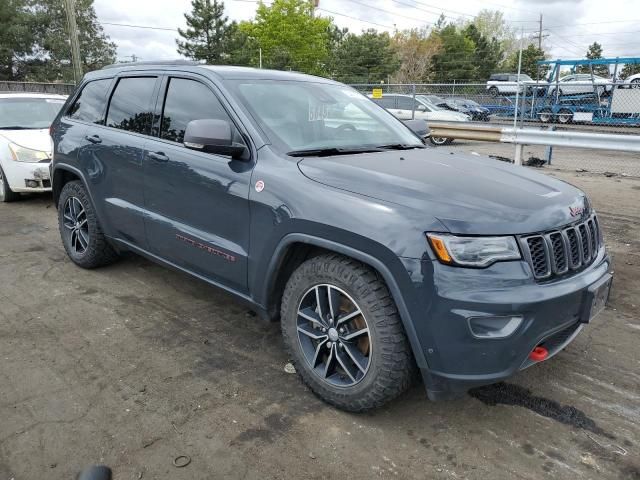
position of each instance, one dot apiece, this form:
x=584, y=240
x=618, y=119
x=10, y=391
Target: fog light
x=494, y=327
x=31, y=183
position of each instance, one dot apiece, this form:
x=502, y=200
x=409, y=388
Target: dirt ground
x=134, y=365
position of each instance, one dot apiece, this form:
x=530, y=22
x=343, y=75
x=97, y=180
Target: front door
x=197, y=203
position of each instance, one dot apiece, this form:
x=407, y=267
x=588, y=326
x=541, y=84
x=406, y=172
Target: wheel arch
x=295, y=248
x=63, y=174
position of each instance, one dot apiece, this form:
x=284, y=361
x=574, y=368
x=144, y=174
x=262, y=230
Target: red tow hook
x=539, y=354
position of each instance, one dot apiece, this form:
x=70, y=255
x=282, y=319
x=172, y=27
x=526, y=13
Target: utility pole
x=73, y=39
x=540, y=34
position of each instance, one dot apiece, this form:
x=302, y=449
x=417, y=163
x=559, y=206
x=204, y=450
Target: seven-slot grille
x=557, y=252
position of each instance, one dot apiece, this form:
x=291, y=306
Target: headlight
x=21, y=154
x=473, y=251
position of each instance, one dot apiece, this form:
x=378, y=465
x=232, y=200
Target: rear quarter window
x=89, y=106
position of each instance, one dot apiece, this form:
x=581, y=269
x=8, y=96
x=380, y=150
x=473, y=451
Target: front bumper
x=27, y=177
x=456, y=359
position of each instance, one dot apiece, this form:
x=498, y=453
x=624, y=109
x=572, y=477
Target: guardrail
x=531, y=136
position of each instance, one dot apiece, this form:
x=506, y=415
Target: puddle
x=510, y=394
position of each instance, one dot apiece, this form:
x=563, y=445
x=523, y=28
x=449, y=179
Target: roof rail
x=148, y=63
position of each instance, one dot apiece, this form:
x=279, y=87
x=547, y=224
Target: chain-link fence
x=572, y=103
x=35, y=87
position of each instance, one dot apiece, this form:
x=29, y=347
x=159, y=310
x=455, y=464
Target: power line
x=140, y=26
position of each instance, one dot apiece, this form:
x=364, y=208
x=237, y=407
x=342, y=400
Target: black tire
x=440, y=141
x=564, y=116
x=96, y=252
x=390, y=364
x=546, y=115
x=494, y=92
x=635, y=83
x=6, y=194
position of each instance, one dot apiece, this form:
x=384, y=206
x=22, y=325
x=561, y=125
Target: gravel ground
x=133, y=365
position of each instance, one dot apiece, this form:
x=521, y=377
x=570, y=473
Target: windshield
x=28, y=113
x=425, y=101
x=304, y=116
x=525, y=78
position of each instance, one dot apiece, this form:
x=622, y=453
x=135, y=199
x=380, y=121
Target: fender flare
x=361, y=256
x=75, y=171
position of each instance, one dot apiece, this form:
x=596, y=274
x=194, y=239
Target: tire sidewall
x=302, y=281
x=77, y=190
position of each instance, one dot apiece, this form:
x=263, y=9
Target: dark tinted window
x=131, y=107
x=89, y=106
x=406, y=103
x=386, y=102
x=188, y=100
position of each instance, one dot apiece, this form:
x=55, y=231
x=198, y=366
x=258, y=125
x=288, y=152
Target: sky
x=569, y=25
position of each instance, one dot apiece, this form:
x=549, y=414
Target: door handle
x=93, y=139
x=158, y=156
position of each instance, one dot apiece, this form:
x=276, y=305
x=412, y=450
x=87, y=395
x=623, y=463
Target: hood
x=468, y=194
x=33, y=139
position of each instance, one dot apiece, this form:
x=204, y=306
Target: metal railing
x=602, y=113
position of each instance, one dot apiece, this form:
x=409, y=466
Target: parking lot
x=134, y=365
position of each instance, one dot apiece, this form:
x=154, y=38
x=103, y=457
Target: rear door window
x=131, y=106
x=89, y=106
x=385, y=102
x=406, y=103
x=188, y=100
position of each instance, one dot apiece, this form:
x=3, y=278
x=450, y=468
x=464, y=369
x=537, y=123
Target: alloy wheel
x=76, y=226
x=334, y=335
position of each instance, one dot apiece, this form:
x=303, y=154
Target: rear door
x=197, y=203
x=114, y=154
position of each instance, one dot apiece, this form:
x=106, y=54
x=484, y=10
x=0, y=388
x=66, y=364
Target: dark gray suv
x=318, y=208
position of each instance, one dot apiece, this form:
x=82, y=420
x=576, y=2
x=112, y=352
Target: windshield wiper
x=327, y=152
x=400, y=146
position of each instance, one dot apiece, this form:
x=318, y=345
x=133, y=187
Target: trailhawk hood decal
x=33, y=139
x=468, y=194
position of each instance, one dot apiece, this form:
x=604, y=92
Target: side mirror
x=421, y=108
x=419, y=127
x=214, y=136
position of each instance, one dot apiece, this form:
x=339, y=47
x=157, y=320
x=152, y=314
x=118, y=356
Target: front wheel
x=494, y=92
x=344, y=335
x=80, y=230
x=635, y=83
x=6, y=194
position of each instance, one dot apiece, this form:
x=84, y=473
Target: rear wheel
x=635, y=83
x=565, y=116
x=546, y=115
x=494, y=92
x=6, y=194
x=80, y=230
x=440, y=141
x=344, y=334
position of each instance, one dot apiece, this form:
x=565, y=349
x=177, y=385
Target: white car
x=633, y=80
x=25, y=145
x=404, y=107
x=511, y=83
x=580, y=83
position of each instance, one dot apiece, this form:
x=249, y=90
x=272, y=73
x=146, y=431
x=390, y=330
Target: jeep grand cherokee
x=318, y=208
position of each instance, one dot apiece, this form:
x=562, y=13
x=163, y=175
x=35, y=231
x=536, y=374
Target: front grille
x=557, y=252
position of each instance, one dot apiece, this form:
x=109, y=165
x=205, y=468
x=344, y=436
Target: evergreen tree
x=16, y=38
x=593, y=53
x=368, y=58
x=51, y=59
x=208, y=32
x=530, y=57
x=628, y=70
